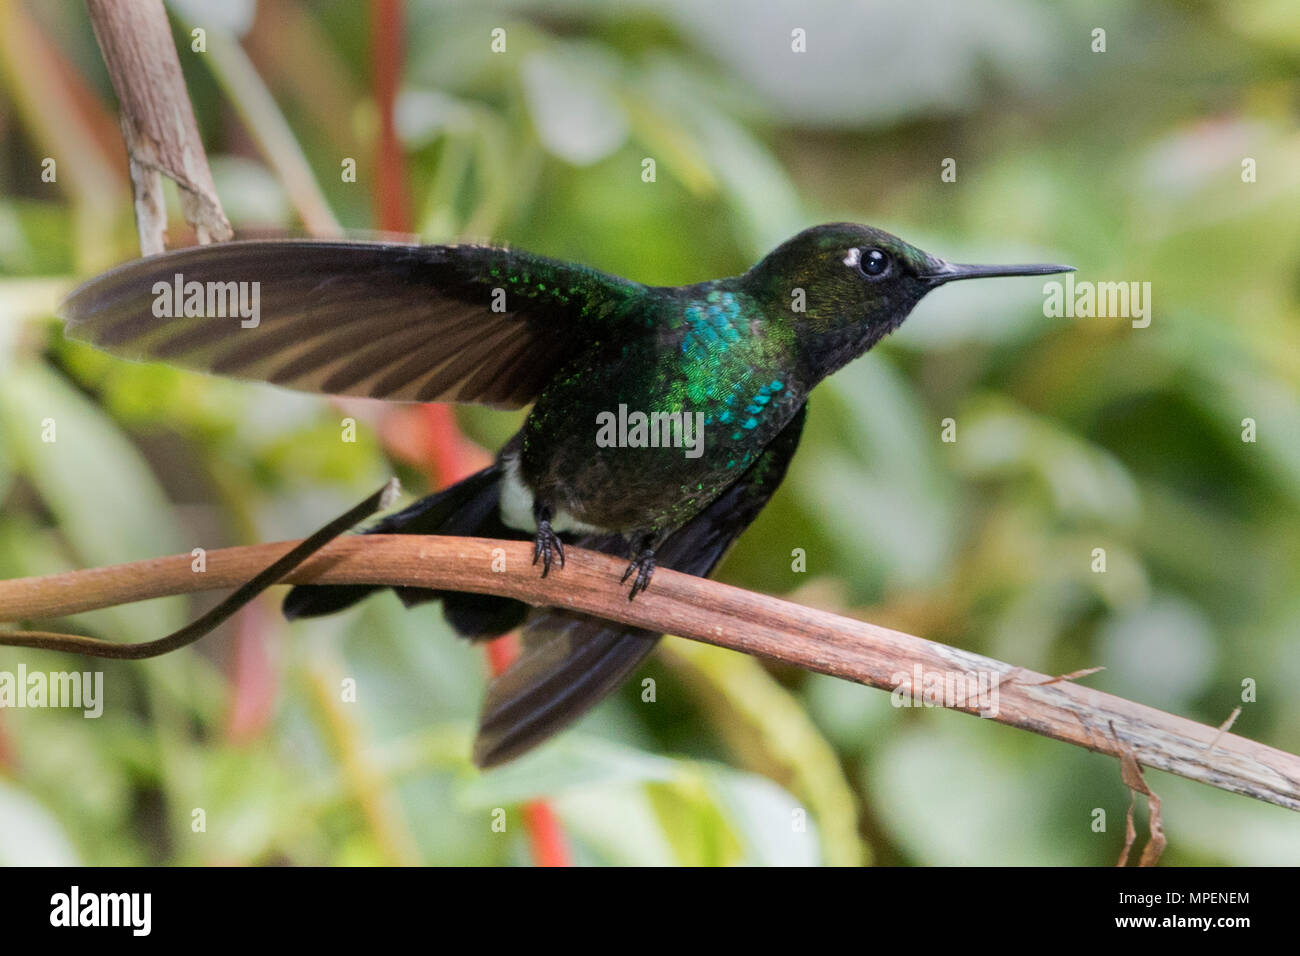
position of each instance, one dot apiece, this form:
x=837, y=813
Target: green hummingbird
x=663, y=417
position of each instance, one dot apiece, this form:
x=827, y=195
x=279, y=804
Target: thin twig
x=706, y=611
x=205, y=625
x=255, y=105
x=162, y=137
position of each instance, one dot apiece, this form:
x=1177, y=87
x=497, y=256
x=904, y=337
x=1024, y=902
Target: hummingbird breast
x=640, y=435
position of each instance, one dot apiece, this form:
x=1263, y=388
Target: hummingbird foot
x=644, y=566
x=548, y=546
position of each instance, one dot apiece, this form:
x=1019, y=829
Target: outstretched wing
x=378, y=320
x=571, y=662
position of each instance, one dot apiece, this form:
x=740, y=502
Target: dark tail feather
x=319, y=600
x=578, y=662
x=469, y=508
x=571, y=662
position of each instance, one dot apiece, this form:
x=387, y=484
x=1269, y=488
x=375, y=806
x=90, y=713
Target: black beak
x=952, y=271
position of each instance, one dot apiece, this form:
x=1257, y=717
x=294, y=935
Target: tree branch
x=162, y=137
x=707, y=611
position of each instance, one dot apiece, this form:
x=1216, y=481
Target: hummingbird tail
x=469, y=507
x=570, y=662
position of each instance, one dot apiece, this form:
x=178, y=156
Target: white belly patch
x=517, y=505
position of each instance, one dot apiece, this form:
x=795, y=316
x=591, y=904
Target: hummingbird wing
x=377, y=320
x=570, y=662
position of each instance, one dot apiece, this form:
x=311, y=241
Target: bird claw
x=547, y=547
x=644, y=566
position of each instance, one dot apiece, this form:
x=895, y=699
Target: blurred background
x=1072, y=434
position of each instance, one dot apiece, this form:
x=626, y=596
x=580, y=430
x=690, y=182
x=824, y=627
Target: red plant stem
x=501, y=653
x=253, y=679
x=450, y=456
x=545, y=836
x=386, y=56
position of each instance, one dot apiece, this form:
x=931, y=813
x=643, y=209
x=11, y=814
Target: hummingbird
x=662, y=420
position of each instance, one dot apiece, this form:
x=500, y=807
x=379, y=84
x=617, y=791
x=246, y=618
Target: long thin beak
x=952, y=271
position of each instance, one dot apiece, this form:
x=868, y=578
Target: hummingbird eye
x=873, y=263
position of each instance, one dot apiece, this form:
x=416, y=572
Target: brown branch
x=706, y=611
x=276, y=572
x=162, y=137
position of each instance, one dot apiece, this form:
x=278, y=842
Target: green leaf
x=773, y=828
x=569, y=762
x=997, y=439
x=693, y=822
x=109, y=506
x=29, y=834
x=577, y=116
x=636, y=807
x=878, y=490
x=766, y=204
x=619, y=823
x=771, y=732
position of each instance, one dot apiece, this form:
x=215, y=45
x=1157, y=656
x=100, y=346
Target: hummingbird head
x=848, y=286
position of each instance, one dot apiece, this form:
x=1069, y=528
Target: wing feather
x=378, y=320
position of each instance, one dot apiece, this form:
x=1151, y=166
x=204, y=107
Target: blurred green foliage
x=1072, y=434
